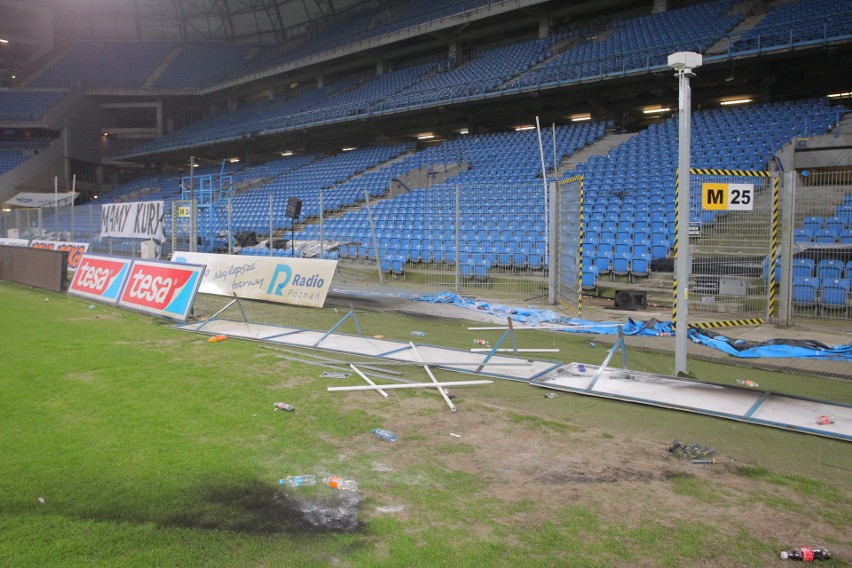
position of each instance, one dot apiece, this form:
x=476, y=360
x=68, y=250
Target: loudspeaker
x=294, y=207
x=629, y=300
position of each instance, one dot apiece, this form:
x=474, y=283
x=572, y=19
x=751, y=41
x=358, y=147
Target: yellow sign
x=727, y=196
x=183, y=211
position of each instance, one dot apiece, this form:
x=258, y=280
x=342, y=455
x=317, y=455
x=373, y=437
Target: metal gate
x=733, y=246
x=819, y=252
x=567, y=243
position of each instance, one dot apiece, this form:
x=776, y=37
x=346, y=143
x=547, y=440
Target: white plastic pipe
x=366, y=378
x=408, y=386
x=431, y=376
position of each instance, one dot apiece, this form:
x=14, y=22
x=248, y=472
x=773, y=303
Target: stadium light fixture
x=656, y=110
x=840, y=95
x=524, y=127
x=4, y=40
x=463, y=131
x=348, y=148
x=287, y=153
x=425, y=136
x=233, y=160
x=683, y=63
x=735, y=102
x=581, y=117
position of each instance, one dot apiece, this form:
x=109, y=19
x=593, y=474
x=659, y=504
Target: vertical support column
x=551, y=257
x=773, y=255
x=787, y=215
x=373, y=236
x=683, y=63
x=458, y=240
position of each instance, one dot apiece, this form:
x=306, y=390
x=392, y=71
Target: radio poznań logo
x=280, y=279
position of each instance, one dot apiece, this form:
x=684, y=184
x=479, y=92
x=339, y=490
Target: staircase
x=599, y=148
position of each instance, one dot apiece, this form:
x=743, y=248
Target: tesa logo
x=95, y=275
x=154, y=286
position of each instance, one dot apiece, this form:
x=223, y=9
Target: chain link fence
x=732, y=244
x=821, y=252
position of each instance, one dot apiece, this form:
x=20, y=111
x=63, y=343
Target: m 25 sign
x=162, y=288
x=727, y=196
x=100, y=277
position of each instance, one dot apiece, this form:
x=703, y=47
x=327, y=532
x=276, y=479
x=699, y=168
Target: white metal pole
x=56, y=203
x=73, y=199
x=366, y=378
x=682, y=260
x=440, y=386
x=431, y=376
x=546, y=192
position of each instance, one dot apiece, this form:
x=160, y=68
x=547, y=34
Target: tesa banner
x=100, y=277
x=295, y=281
x=75, y=250
x=163, y=288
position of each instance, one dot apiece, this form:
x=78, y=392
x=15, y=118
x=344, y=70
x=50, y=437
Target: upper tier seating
x=26, y=104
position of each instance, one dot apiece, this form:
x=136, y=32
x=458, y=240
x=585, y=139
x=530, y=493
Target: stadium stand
x=24, y=105
x=104, y=64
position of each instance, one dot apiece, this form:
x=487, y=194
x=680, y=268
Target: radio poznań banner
x=295, y=281
x=161, y=288
x=138, y=220
x=100, y=277
x=75, y=250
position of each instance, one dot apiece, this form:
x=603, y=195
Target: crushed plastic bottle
x=341, y=484
x=592, y=344
x=417, y=333
x=447, y=392
x=481, y=342
x=383, y=434
x=823, y=420
x=806, y=554
x=748, y=383
x=298, y=480
x=283, y=406
x=217, y=338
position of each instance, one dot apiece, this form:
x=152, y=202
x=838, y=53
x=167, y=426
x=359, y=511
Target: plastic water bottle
x=341, y=484
x=383, y=434
x=592, y=344
x=480, y=342
x=418, y=333
x=806, y=554
x=298, y=480
x=283, y=406
x=748, y=383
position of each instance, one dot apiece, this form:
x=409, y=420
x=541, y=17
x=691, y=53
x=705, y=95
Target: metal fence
x=487, y=240
x=733, y=243
x=567, y=243
x=819, y=223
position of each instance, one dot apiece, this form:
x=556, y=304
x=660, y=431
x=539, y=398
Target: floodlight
x=685, y=60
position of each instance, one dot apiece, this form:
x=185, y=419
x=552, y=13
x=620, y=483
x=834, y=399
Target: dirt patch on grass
x=521, y=458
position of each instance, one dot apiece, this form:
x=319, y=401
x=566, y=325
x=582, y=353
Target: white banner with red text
x=75, y=250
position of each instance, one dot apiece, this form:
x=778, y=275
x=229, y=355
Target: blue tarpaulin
x=792, y=348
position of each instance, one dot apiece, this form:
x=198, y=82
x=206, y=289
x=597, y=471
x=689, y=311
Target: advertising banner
x=14, y=242
x=75, y=250
x=295, y=281
x=138, y=220
x=164, y=289
x=29, y=199
x=100, y=277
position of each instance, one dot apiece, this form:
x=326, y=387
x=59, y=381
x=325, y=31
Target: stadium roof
x=194, y=20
